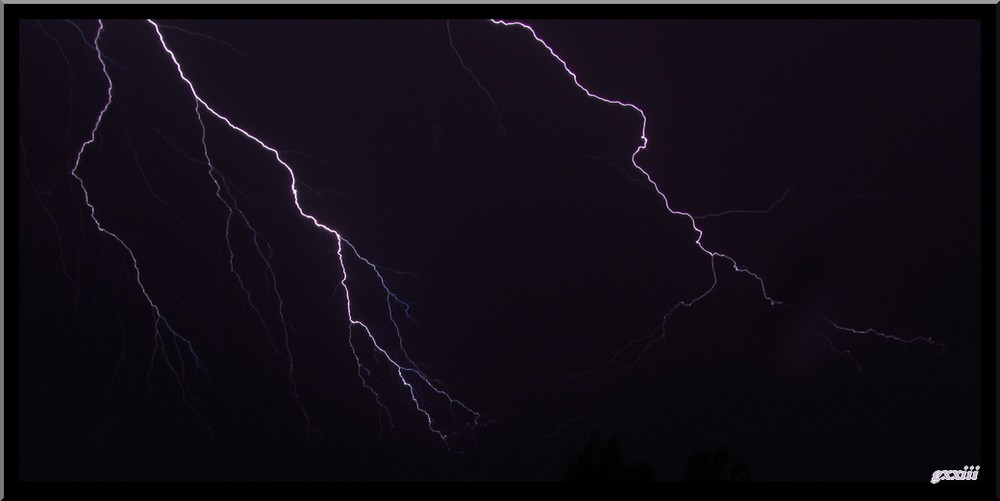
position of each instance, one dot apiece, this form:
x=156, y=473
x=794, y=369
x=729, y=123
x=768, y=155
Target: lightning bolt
x=445, y=416
x=421, y=389
x=713, y=256
x=161, y=325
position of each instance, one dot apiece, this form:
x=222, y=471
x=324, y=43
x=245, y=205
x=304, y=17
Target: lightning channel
x=182, y=346
x=418, y=386
x=712, y=255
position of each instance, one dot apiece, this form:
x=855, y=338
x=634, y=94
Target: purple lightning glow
x=666, y=203
x=427, y=397
x=660, y=334
x=409, y=376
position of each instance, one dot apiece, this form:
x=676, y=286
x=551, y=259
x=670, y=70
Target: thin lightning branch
x=69, y=67
x=69, y=141
x=207, y=37
x=269, y=276
x=149, y=185
x=845, y=353
x=220, y=177
x=92, y=45
x=234, y=211
x=390, y=297
x=388, y=211
x=409, y=376
x=789, y=191
x=883, y=335
x=160, y=322
x=493, y=102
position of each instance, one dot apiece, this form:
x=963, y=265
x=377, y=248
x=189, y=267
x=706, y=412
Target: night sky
x=530, y=251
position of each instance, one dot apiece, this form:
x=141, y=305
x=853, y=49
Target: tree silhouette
x=602, y=461
x=717, y=465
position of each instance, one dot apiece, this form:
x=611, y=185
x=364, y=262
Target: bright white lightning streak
x=207, y=37
x=790, y=192
x=408, y=376
x=650, y=339
x=159, y=318
x=493, y=102
x=666, y=203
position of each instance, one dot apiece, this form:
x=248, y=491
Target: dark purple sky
x=533, y=252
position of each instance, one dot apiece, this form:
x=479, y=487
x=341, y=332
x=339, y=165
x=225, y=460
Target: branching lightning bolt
x=427, y=396
x=713, y=256
x=160, y=322
x=415, y=382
